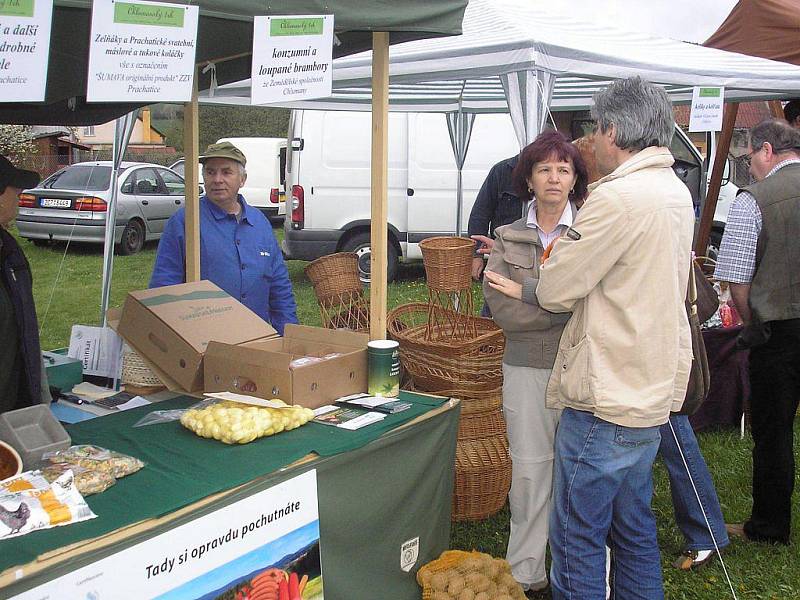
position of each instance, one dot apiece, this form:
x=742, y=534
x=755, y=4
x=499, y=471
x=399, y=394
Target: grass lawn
x=71, y=288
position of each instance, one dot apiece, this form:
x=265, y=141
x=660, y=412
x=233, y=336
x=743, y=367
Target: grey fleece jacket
x=532, y=333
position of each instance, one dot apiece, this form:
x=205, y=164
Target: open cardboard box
x=265, y=363
x=170, y=327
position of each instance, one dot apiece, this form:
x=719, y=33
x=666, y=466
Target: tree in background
x=218, y=121
x=16, y=142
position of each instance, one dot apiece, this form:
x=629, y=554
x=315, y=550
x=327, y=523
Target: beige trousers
x=531, y=432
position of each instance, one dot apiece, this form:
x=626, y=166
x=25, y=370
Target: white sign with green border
x=706, y=111
x=24, y=49
x=292, y=58
x=141, y=51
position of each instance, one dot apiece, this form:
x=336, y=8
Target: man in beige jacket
x=624, y=358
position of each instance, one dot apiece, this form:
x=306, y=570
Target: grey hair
x=640, y=112
x=780, y=135
x=242, y=170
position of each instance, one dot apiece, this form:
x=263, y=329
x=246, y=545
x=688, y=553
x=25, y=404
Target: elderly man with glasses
x=760, y=258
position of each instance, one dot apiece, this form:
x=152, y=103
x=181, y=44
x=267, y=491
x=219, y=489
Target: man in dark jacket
x=497, y=204
x=20, y=356
x=759, y=258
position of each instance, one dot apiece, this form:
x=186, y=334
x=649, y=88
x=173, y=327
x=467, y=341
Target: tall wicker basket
x=482, y=478
x=448, y=270
x=340, y=295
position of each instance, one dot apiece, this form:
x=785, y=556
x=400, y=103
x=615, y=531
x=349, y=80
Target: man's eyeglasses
x=748, y=158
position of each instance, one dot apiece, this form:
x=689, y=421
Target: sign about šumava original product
x=141, y=51
x=292, y=58
x=24, y=49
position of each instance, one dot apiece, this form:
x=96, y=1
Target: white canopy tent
x=523, y=57
x=527, y=50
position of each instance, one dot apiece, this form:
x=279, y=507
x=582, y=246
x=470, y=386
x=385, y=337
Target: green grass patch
x=69, y=281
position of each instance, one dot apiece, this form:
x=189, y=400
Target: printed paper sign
x=237, y=551
x=706, y=112
x=98, y=348
x=24, y=49
x=141, y=51
x=292, y=58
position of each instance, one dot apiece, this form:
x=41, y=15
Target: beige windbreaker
x=622, y=269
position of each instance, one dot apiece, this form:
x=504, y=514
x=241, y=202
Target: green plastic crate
x=62, y=371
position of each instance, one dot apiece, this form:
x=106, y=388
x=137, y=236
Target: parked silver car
x=72, y=204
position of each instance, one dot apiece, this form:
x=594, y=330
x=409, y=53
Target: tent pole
x=707, y=218
x=380, y=161
x=191, y=141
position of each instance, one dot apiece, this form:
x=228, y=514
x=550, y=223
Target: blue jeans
x=602, y=487
x=688, y=513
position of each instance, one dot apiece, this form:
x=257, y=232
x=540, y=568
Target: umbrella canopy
x=225, y=30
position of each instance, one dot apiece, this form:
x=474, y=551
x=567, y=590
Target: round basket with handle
x=440, y=362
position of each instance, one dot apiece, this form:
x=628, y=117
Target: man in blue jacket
x=238, y=251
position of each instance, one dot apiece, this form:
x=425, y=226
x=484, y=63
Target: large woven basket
x=481, y=424
x=482, y=477
x=136, y=373
x=334, y=274
x=476, y=401
x=440, y=362
x=448, y=262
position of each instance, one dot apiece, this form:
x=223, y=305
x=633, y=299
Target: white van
x=328, y=177
x=328, y=173
x=266, y=160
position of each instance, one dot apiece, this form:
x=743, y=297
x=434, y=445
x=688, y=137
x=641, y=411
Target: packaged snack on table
x=97, y=458
x=88, y=481
x=28, y=502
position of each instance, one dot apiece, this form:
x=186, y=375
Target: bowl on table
x=10, y=462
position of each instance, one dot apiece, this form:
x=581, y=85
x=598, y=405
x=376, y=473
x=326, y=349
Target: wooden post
x=775, y=108
x=380, y=194
x=712, y=194
x=191, y=141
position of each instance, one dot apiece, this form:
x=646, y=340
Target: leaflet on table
x=378, y=403
x=346, y=418
x=245, y=399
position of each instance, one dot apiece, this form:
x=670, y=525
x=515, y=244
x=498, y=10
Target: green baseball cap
x=224, y=150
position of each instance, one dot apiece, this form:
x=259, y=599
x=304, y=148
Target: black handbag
x=699, y=375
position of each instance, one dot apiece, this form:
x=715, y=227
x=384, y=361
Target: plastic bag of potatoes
x=459, y=575
x=237, y=423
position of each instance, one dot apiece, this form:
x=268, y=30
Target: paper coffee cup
x=383, y=357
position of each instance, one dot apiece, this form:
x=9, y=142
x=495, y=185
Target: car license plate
x=55, y=203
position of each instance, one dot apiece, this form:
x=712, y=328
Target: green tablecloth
x=183, y=468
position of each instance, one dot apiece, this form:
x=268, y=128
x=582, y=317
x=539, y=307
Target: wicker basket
x=476, y=401
x=441, y=362
x=448, y=262
x=481, y=424
x=334, y=274
x=339, y=292
x=482, y=477
x=136, y=373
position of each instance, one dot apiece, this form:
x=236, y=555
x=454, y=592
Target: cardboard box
x=170, y=327
x=266, y=363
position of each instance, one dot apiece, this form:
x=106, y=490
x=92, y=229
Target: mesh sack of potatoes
x=459, y=575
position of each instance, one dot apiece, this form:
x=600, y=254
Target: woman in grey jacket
x=551, y=172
